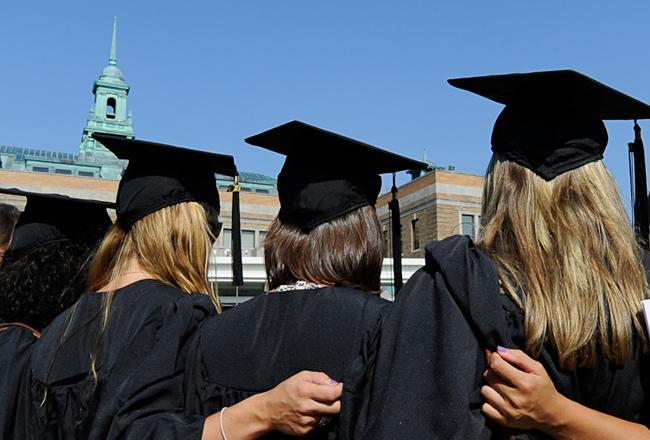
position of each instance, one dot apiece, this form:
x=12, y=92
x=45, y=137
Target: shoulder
x=457, y=250
x=14, y=337
x=154, y=297
x=140, y=315
x=278, y=310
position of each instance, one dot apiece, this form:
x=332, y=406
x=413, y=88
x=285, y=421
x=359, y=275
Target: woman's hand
x=519, y=393
x=299, y=403
x=295, y=407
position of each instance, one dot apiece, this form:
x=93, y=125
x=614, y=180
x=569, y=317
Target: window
x=110, y=108
x=227, y=238
x=247, y=239
x=262, y=237
x=468, y=225
x=86, y=174
x=415, y=239
x=262, y=191
x=41, y=169
x=60, y=171
x=224, y=188
x=246, y=189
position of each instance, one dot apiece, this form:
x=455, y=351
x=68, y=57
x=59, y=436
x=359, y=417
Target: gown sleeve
x=419, y=373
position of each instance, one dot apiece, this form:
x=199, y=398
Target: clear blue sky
x=208, y=73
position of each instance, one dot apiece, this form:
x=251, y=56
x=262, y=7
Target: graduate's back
x=257, y=345
x=323, y=257
x=83, y=372
x=147, y=291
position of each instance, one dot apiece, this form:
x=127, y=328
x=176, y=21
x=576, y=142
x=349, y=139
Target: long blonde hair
x=567, y=246
x=172, y=244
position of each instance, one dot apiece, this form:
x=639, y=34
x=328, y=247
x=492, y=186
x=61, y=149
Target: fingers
x=487, y=354
x=493, y=398
x=316, y=377
x=320, y=393
x=519, y=359
x=505, y=372
x=325, y=409
x=491, y=413
x=498, y=384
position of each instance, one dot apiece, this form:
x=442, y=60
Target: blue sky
x=208, y=73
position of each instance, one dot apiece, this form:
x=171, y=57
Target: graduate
x=44, y=273
x=148, y=290
x=323, y=256
x=556, y=273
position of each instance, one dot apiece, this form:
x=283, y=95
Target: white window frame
x=476, y=222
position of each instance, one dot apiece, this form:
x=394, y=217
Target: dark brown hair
x=8, y=217
x=346, y=251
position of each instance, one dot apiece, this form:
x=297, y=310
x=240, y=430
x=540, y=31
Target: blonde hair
x=172, y=244
x=568, y=247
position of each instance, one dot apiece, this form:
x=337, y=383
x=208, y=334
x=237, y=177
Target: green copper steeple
x=109, y=113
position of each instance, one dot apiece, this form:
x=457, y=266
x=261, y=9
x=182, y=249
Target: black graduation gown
x=15, y=347
x=418, y=375
x=144, y=344
x=257, y=345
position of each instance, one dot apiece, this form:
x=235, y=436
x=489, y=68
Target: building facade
x=94, y=173
x=433, y=206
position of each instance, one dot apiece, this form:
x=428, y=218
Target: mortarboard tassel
x=235, y=250
x=640, y=188
x=393, y=205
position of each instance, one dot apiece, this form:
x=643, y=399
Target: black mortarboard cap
x=326, y=175
x=553, y=121
x=52, y=217
x=160, y=175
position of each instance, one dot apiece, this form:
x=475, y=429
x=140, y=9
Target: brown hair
x=345, y=251
x=8, y=217
x=567, y=245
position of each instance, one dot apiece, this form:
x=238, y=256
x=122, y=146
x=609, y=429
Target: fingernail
x=333, y=382
x=501, y=349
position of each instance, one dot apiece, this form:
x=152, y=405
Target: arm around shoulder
x=293, y=407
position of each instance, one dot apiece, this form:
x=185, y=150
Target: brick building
x=433, y=206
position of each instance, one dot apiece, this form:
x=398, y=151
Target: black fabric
x=255, y=346
x=160, y=175
x=550, y=144
x=235, y=244
x=15, y=347
x=32, y=235
x=326, y=175
x=51, y=217
x=553, y=121
x=418, y=375
x=143, y=345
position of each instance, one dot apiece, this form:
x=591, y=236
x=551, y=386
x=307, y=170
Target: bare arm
x=294, y=407
x=519, y=394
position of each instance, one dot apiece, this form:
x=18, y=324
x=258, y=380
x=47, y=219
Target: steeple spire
x=109, y=113
x=113, y=58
